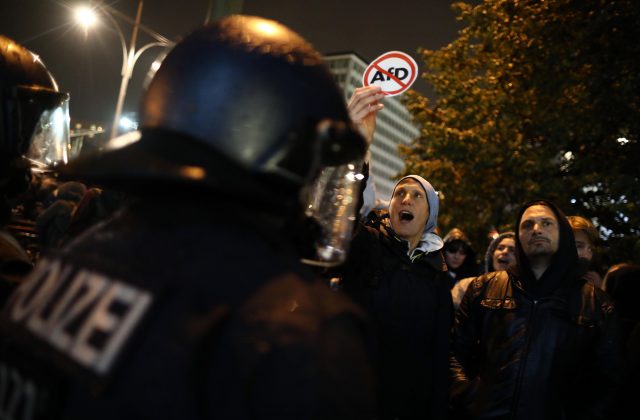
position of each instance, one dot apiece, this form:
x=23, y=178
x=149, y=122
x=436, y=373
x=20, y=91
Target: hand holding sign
x=393, y=71
x=363, y=107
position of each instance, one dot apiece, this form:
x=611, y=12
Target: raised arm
x=363, y=107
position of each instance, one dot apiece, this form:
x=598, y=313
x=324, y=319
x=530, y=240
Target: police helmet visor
x=332, y=199
x=332, y=203
x=48, y=111
x=41, y=116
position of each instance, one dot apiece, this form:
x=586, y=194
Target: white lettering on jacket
x=85, y=315
x=17, y=395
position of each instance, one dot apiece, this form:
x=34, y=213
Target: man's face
x=504, y=255
x=409, y=210
x=583, y=246
x=539, y=232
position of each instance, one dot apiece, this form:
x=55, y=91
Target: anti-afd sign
x=393, y=71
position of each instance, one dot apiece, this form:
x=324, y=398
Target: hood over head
x=488, y=257
x=432, y=199
x=565, y=265
x=454, y=240
x=430, y=241
x=456, y=234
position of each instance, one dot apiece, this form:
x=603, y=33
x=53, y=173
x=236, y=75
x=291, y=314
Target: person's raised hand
x=363, y=107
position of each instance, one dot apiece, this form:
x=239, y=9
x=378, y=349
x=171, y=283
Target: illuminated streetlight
x=87, y=16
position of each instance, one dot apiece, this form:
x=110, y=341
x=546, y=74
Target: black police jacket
x=14, y=264
x=410, y=305
x=516, y=357
x=175, y=311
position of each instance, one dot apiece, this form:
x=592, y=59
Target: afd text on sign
x=393, y=71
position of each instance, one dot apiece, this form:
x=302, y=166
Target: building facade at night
x=393, y=126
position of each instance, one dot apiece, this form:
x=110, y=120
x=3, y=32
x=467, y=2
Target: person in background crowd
x=587, y=239
x=540, y=341
x=396, y=271
x=54, y=222
x=34, y=129
x=500, y=256
x=191, y=302
x=622, y=282
x=501, y=253
x=459, y=256
x=40, y=196
x=97, y=205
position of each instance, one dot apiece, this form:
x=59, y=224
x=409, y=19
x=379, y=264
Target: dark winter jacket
x=174, y=310
x=535, y=349
x=14, y=264
x=622, y=283
x=410, y=304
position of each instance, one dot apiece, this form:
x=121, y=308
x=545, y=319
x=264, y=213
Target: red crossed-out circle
x=393, y=54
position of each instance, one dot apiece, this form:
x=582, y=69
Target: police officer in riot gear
x=34, y=132
x=192, y=302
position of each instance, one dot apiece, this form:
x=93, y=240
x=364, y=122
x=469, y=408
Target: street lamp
x=88, y=16
x=85, y=16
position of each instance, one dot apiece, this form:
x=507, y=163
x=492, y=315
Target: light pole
x=87, y=17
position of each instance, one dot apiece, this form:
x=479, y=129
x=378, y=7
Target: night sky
x=89, y=66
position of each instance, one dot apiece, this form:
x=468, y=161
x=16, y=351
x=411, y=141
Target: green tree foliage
x=532, y=98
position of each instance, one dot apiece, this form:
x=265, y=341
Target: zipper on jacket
x=525, y=356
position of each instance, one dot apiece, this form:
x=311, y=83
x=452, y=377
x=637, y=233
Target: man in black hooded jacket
x=538, y=342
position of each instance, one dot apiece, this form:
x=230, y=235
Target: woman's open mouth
x=406, y=216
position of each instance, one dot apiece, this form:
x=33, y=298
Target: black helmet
x=246, y=89
x=34, y=116
x=245, y=101
x=34, y=121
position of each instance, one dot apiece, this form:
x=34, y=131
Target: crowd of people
x=188, y=273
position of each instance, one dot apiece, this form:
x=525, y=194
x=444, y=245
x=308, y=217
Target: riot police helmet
x=34, y=114
x=244, y=97
x=34, y=121
x=245, y=89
